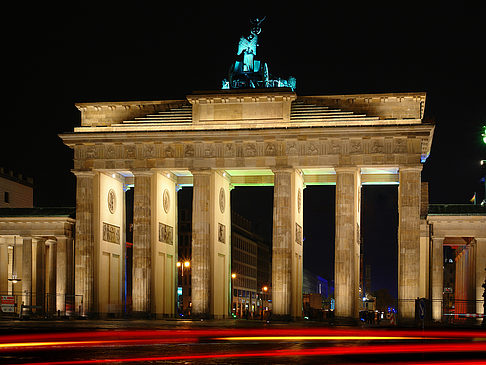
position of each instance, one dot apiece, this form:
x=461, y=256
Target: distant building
x=250, y=264
x=314, y=284
x=15, y=190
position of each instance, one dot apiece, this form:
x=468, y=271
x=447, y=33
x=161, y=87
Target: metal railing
x=40, y=305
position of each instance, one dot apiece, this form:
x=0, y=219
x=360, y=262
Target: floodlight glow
x=484, y=134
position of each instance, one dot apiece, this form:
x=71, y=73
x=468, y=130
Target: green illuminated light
x=484, y=134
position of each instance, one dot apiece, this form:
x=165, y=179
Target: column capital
x=349, y=169
x=200, y=171
x=287, y=169
x=83, y=173
x=142, y=172
x=410, y=168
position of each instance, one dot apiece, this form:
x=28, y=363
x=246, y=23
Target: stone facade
x=250, y=137
x=463, y=228
x=37, y=249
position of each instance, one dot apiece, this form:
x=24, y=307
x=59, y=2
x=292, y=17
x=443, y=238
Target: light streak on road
x=318, y=338
x=391, y=349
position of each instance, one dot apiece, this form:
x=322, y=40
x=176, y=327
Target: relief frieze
x=169, y=152
x=229, y=150
x=166, y=233
x=270, y=149
x=291, y=148
x=312, y=148
x=189, y=151
x=250, y=150
x=111, y=233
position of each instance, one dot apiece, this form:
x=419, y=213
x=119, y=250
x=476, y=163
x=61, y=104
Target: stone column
x=346, y=271
x=408, y=240
x=480, y=272
x=51, y=266
x=3, y=265
x=287, y=243
x=40, y=270
x=70, y=274
x=61, y=274
x=201, y=253
x=437, y=277
x=84, y=247
x=142, y=243
x=27, y=270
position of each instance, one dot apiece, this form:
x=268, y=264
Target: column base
x=201, y=316
x=346, y=321
x=141, y=315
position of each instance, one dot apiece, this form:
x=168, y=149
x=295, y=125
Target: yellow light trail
x=318, y=338
x=41, y=344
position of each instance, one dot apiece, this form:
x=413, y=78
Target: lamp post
x=182, y=264
x=186, y=264
x=264, y=298
x=233, y=277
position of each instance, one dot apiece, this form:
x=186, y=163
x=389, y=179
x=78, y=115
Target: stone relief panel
x=229, y=150
x=400, y=145
x=189, y=151
x=298, y=233
x=166, y=233
x=250, y=150
x=312, y=148
x=355, y=146
x=91, y=152
x=299, y=200
x=111, y=200
x=221, y=233
x=270, y=149
x=222, y=200
x=169, y=152
x=149, y=151
x=111, y=233
x=377, y=146
x=166, y=201
x=110, y=152
x=130, y=152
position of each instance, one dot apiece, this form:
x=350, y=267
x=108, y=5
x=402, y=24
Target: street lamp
x=233, y=276
x=186, y=264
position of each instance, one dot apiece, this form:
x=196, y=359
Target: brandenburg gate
x=215, y=141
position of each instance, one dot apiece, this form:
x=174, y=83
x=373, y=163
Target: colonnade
x=154, y=273
x=38, y=272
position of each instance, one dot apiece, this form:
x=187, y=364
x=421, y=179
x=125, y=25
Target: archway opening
x=319, y=236
x=379, y=244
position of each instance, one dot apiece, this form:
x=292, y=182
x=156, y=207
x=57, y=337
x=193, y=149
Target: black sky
x=58, y=56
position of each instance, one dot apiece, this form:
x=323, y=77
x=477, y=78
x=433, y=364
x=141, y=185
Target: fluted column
x=201, y=253
x=27, y=270
x=480, y=273
x=84, y=247
x=51, y=275
x=287, y=243
x=61, y=273
x=346, y=268
x=142, y=242
x=40, y=270
x=408, y=240
x=437, y=277
x=282, y=243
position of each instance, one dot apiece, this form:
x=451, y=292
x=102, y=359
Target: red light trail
x=351, y=342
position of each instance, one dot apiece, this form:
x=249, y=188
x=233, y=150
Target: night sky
x=56, y=57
